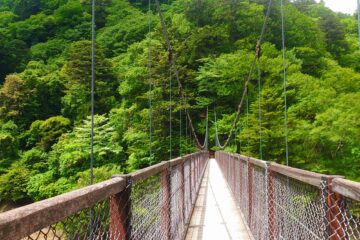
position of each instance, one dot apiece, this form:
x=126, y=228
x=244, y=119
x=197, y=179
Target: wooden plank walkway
x=216, y=215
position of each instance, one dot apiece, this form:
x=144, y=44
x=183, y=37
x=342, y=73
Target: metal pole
x=92, y=106
x=358, y=10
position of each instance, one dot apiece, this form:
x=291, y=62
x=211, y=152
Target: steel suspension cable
x=170, y=114
x=217, y=143
x=150, y=83
x=284, y=72
x=186, y=135
x=260, y=117
x=206, y=141
x=92, y=91
x=247, y=123
x=92, y=132
x=176, y=72
x=256, y=56
x=180, y=131
x=239, y=138
x=358, y=10
x=217, y=140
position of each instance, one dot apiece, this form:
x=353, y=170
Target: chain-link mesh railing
x=89, y=223
x=153, y=203
x=280, y=202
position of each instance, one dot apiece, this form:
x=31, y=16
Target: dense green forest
x=45, y=60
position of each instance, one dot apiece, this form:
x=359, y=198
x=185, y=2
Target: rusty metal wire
x=342, y=215
x=77, y=226
x=276, y=206
x=297, y=208
x=156, y=207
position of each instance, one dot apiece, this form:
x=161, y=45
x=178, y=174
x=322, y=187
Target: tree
x=72, y=153
x=35, y=160
x=331, y=25
x=125, y=25
x=48, y=86
x=46, y=133
x=13, y=55
x=24, y=8
x=13, y=183
x=16, y=101
x=77, y=71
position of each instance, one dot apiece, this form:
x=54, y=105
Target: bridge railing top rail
x=26, y=220
x=347, y=188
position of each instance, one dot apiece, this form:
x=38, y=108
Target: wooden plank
x=259, y=163
x=243, y=158
x=176, y=161
x=148, y=172
x=298, y=174
x=23, y=221
x=157, y=168
x=347, y=188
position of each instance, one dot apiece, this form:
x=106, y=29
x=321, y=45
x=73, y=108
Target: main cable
x=176, y=72
x=256, y=56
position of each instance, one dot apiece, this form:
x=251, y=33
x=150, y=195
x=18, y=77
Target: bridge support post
x=233, y=160
x=195, y=174
x=333, y=203
x=250, y=190
x=271, y=198
x=165, y=204
x=182, y=195
x=190, y=182
x=241, y=187
x=120, y=212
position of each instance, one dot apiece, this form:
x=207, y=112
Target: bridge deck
x=215, y=214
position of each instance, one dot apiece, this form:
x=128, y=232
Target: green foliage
x=100, y=174
x=13, y=183
x=77, y=72
x=46, y=133
x=35, y=160
x=48, y=50
x=72, y=153
x=125, y=25
x=331, y=25
x=14, y=53
x=45, y=83
x=16, y=101
x=44, y=185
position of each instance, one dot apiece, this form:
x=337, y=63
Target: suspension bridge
x=204, y=195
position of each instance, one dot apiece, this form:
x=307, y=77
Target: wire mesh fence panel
x=146, y=209
x=298, y=209
x=237, y=192
x=279, y=202
x=177, y=202
x=342, y=214
x=187, y=190
x=244, y=201
x=90, y=223
x=258, y=224
x=153, y=203
x=351, y=216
